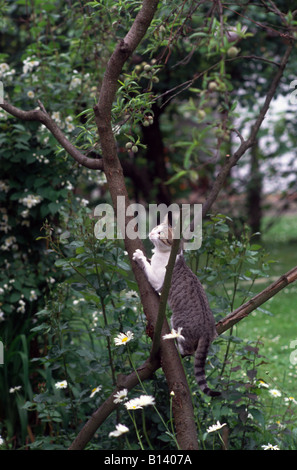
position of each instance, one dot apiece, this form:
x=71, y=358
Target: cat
x=187, y=300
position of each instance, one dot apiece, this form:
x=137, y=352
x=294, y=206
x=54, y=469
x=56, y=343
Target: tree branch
x=99, y=416
x=245, y=309
x=41, y=115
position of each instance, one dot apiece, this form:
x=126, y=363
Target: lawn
x=278, y=330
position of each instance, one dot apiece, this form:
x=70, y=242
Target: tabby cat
x=187, y=300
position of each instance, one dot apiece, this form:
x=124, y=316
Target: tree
x=129, y=103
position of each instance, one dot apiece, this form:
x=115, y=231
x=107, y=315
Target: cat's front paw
x=138, y=256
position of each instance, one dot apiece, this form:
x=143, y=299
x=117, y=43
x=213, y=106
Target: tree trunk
x=171, y=364
x=155, y=155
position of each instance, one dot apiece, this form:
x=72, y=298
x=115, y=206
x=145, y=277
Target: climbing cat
x=187, y=300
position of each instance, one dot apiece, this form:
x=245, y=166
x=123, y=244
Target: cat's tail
x=199, y=366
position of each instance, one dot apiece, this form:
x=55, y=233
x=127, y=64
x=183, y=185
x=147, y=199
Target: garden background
x=188, y=102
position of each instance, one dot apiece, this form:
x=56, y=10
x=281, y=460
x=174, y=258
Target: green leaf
x=187, y=159
x=176, y=177
x=15, y=296
x=257, y=415
x=54, y=207
x=60, y=262
x=65, y=235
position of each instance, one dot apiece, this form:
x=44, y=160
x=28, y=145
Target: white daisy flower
x=120, y=396
x=120, y=429
x=290, y=399
x=123, y=338
x=275, y=393
x=270, y=447
x=95, y=390
x=216, y=427
x=62, y=384
x=15, y=389
x=140, y=402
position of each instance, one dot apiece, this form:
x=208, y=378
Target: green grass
x=276, y=333
x=278, y=330
x=284, y=229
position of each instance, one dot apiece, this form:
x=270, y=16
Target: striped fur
x=191, y=312
x=199, y=367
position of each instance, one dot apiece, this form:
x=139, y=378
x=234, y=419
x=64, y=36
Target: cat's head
x=161, y=236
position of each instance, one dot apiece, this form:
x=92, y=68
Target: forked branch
x=42, y=116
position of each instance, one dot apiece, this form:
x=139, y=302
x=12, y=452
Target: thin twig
x=163, y=299
x=246, y=144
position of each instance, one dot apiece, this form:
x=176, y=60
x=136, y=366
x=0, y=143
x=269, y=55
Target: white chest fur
x=156, y=269
x=159, y=262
